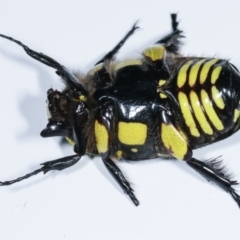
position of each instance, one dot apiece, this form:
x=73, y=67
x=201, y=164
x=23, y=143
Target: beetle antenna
x=69, y=78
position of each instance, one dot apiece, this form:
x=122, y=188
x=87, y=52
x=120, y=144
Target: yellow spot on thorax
x=182, y=74
x=194, y=72
x=199, y=113
x=83, y=98
x=205, y=70
x=187, y=114
x=161, y=82
x=210, y=110
x=134, y=150
x=102, y=137
x=215, y=74
x=162, y=95
x=132, y=133
x=217, y=97
x=173, y=141
x=119, y=153
x=155, y=52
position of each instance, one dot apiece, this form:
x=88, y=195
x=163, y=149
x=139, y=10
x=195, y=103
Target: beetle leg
x=110, y=54
x=80, y=118
x=172, y=41
x=100, y=73
x=156, y=54
x=121, y=180
x=214, y=172
x=58, y=164
x=62, y=71
x=103, y=126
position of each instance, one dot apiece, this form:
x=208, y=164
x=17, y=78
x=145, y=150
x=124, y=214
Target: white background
x=83, y=202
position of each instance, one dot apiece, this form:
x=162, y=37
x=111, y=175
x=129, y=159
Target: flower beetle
x=161, y=104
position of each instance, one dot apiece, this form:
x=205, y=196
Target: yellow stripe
x=182, y=74
x=236, y=115
x=184, y=136
x=184, y=105
x=215, y=74
x=205, y=70
x=125, y=63
x=70, y=141
x=210, y=110
x=199, y=113
x=217, y=97
x=194, y=72
x=95, y=69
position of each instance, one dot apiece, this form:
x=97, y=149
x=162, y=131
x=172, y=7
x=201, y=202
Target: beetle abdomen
x=207, y=93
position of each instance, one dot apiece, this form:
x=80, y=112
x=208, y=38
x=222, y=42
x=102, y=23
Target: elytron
x=161, y=104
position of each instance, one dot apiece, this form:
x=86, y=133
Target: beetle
x=161, y=104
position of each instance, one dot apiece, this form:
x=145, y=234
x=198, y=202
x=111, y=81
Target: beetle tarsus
x=213, y=171
x=58, y=164
x=133, y=198
x=113, y=52
x=235, y=196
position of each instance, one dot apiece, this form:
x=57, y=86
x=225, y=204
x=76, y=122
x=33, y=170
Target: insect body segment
x=160, y=104
x=204, y=91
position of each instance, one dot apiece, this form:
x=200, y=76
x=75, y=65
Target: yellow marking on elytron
x=182, y=74
x=173, y=141
x=83, y=98
x=119, y=153
x=215, y=74
x=161, y=82
x=162, y=95
x=155, y=52
x=70, y=141
x=132, y=133
x=194, y=72
x=127, y=62
x=135, y=150
x=210, y=110
x=205, y=70
x=199, y=113
x=96, y=69
x=184, y=136
x=217, y=98
x=236, y=115
x=101, y=135
x=187, y=114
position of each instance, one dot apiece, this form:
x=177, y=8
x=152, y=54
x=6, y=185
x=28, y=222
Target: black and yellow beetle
x=161, y=104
